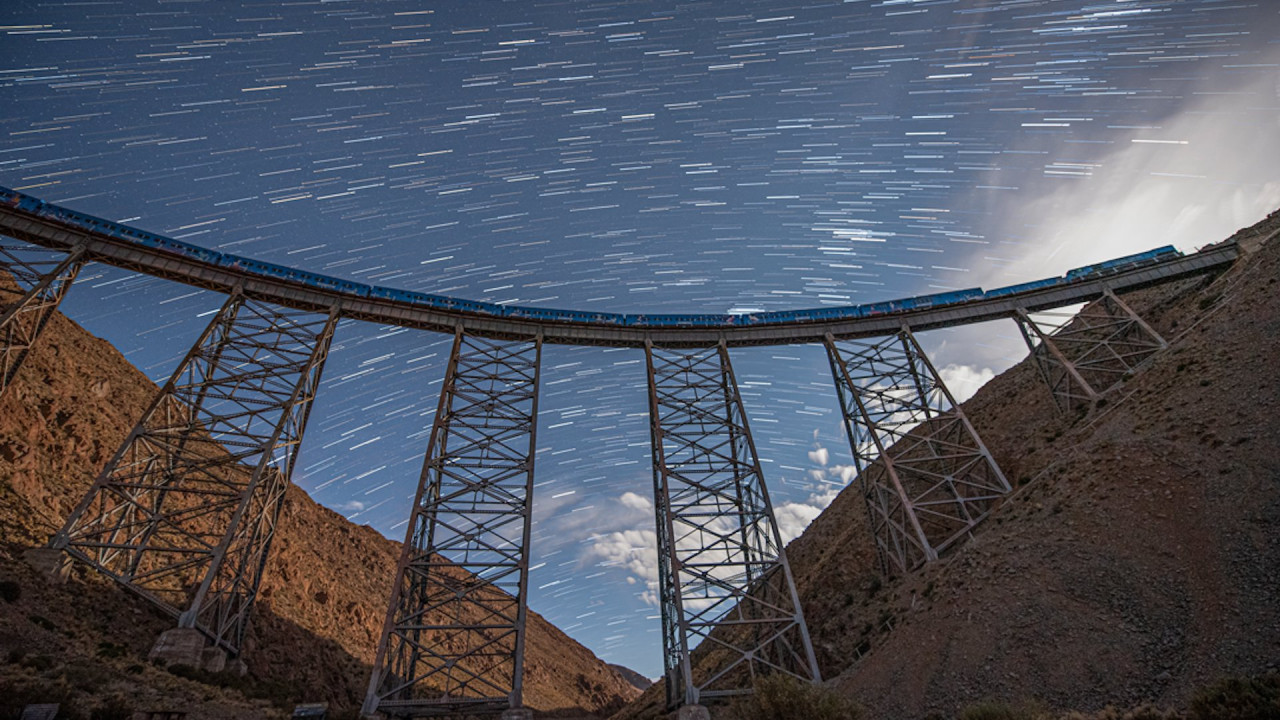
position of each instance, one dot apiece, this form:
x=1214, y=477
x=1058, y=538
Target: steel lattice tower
x=925, y=475
x=453, y=641
x=185, y=511
x=40, y=279
x=1091, y=351
x=724, y=578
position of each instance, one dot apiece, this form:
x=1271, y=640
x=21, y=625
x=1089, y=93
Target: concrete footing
x=48, y=561
x=186, y=646
x=517, y=714
x=691, y=712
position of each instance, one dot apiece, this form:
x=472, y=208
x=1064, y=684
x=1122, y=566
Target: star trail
x=630, y=157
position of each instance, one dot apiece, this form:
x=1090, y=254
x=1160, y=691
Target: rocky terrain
x=321, y=605
x=1138, y=559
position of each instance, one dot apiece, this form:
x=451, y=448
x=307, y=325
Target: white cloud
x=964, y=380
x=819, y=456
x=793, y=518
x=635, y=551
x=1194, y=179
x=846, y=473
x=636, y=502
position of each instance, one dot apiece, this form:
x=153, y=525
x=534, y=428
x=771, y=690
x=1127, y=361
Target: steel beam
x=122, y=252
x=724, y=580
x=1091, y=352
x=40, y=278
x=926, y=477
x=185, y=511
x=454, y=635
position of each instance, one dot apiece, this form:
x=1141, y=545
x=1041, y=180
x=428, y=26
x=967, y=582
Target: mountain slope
x=327, y=580
x=1138, y=560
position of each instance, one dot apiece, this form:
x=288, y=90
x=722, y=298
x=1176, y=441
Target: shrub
x=1247, y=698
x=43, y=622
x=782, y=697
x=10, y=591
x=111, y=650
x=113, y=708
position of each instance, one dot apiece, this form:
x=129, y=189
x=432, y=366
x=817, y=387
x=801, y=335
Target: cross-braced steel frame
x=40, y=279
x=1091, y=351
x=453, y=640
x=925, y=475
x=185, y=511
x=724, y=580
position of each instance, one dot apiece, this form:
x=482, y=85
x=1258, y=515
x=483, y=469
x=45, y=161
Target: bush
x=10, y=591
x=113, y=708
x=111, y=650
x=782, y=697
x=1248, y=698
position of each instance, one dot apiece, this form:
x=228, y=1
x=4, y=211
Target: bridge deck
x=113, y=251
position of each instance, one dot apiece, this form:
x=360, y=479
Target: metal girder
x=453, y=640
x=925, y=475
x=1091, y=352
x=40, y=278
x=185, y=511
x=723, y=575
x=114, y=249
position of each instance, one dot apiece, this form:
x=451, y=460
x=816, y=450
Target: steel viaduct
x=185, y=511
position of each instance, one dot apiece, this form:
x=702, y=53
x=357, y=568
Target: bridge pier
x=41, y=279
x=454, y=635
x=691, y=712
x=185, y=511
x=721, y=561
x=1091, y=352
x=926, y=477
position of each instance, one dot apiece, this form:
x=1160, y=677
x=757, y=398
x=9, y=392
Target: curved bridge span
x=185, y=512
x=103, y=241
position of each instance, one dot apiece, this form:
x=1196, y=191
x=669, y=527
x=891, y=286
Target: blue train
x=34, y=206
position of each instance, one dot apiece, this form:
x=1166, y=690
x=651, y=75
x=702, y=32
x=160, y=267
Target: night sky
x=631, y=157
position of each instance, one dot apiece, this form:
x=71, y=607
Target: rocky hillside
x=323, y=598
x=1138, y=560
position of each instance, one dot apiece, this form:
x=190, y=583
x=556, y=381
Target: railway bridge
x=185, y=511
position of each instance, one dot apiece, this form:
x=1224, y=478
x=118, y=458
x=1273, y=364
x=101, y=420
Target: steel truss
x=925, y=475
x=185, y=511
x=723, y=575
x=1091, y=352
x=454, y=637
x=40, y=278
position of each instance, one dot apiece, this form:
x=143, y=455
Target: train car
x=922, y=302
x=289, y=274
x=1023, y=287
x=21, y=201
x=328, y=282
x=1121, y=264
x=378, y=292
x=408, y=296
x=177, y=247
x=875, y=309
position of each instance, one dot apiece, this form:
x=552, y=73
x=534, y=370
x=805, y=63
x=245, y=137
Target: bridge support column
x=185, y=512
x=721, y=561
x=925, y=475
x=454, y=636
x=41, y=278
x=1092, y=352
